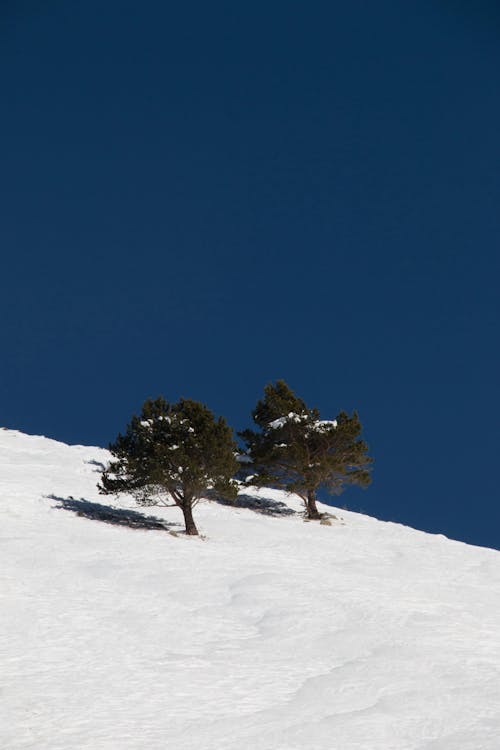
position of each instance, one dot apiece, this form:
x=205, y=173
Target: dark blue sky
x=198, y=198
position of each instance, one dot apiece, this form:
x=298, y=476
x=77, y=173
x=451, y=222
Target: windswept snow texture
x=269, y=634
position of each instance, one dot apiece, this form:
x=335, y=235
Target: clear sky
x=198, y=198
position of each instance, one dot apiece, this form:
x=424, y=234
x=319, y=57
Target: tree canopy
x=173, y=452
x=294, y=449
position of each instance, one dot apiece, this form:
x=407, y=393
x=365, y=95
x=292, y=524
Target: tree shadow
x=106, y=514
x=264, y=505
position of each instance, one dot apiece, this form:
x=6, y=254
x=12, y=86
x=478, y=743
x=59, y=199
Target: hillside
x=267, y=634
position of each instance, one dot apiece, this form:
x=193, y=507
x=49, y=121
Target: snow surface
x=268, y=634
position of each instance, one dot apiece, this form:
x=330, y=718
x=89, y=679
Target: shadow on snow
x=264, y=505
x=99, y=464
x=105, y=513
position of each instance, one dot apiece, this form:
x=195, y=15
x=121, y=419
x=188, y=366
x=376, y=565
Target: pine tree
x=295, y=450
x=175, y=452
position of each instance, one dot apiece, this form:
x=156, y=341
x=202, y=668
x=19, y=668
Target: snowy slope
x=269, y=634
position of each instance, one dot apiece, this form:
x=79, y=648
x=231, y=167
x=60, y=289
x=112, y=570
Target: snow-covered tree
x=295, y=450
x=173, y=454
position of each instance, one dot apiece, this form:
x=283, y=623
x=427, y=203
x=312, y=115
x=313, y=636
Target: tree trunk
x=311, y=509
x=191, y=529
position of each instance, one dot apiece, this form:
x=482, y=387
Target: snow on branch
x=319, y=425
